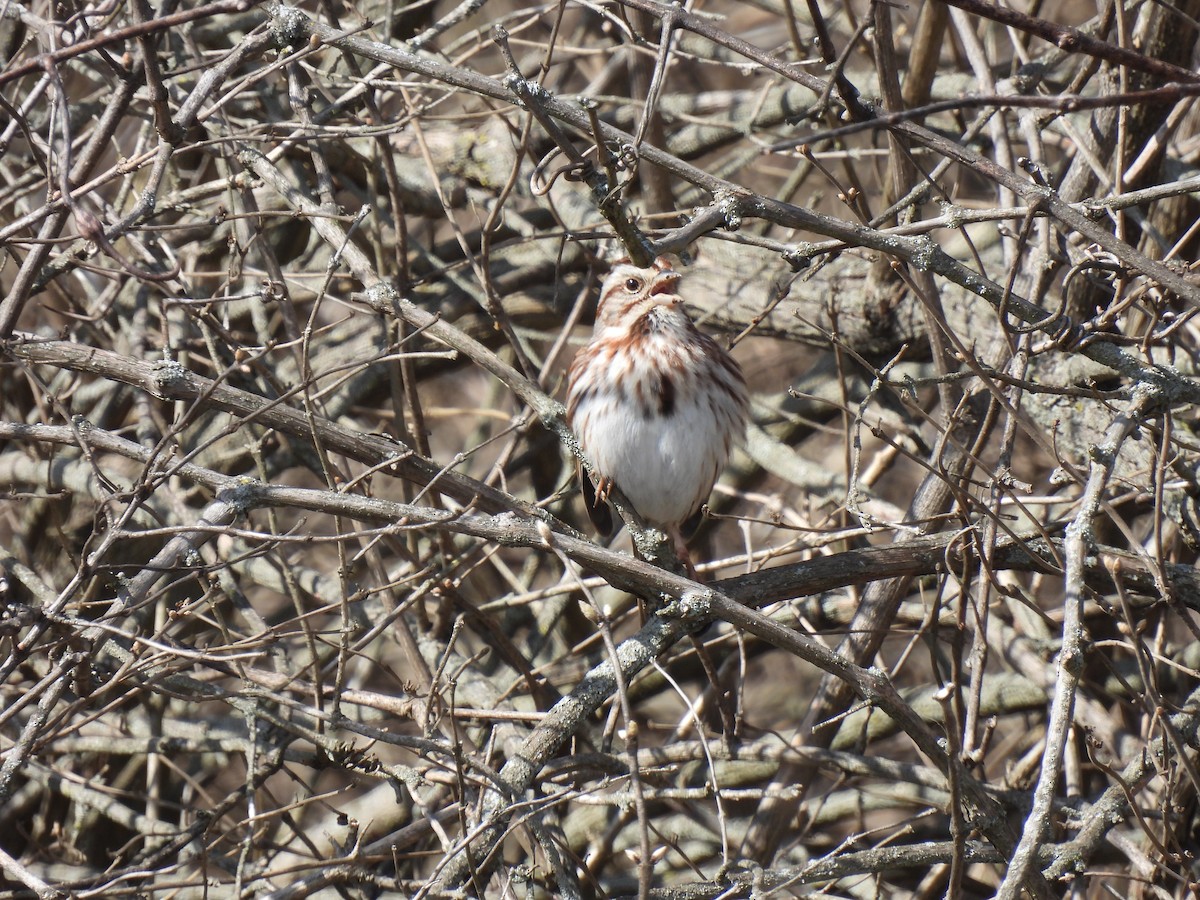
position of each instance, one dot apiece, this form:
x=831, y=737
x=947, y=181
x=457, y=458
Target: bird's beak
x=665, y=282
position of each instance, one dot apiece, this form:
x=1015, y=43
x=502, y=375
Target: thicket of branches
x=298, y=593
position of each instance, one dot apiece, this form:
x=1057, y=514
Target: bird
x=656, y=404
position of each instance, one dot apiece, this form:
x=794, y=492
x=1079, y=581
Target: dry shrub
x=299, y=596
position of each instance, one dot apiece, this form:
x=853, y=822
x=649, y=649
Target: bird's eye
x=633, y=284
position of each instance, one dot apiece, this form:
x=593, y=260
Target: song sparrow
x=656, y=404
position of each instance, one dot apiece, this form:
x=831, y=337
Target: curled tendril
x=540, y=185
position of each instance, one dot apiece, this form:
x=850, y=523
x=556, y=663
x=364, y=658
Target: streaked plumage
x=656, y=403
